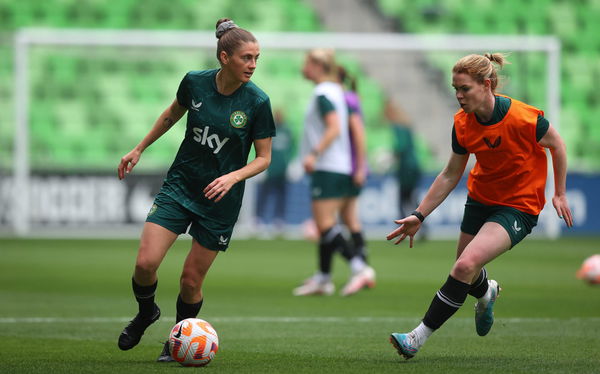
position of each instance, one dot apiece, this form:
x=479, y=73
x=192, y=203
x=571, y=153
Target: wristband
x=314, y=152
x=419, y=215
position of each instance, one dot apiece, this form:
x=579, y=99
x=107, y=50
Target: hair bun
x=224, y=25
x=497, y=58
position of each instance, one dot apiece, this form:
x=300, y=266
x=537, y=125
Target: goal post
x=25, y=39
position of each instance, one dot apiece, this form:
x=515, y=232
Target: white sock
x=322, y=277
x=357, y=264
x=421, y=333
x=486, y=297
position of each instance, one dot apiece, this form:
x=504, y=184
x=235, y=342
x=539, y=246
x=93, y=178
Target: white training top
x=336, y=158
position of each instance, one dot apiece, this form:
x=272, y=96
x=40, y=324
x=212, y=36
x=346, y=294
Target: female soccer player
x=203, y=189
x=362, y=275
x=326, y=152
x=506, y=191
x=408, y=170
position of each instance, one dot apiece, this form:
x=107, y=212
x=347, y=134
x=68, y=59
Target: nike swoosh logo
x=178, y=335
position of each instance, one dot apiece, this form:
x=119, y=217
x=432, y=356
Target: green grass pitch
x=63, y=304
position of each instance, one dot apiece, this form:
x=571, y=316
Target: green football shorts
x=516, y=223
x=171, y=215
x=329, y=185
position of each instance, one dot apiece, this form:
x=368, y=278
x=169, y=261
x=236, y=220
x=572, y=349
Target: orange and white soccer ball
x=193, y=342
x=590, y=270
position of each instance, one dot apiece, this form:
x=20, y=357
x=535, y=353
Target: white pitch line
x=267, y=319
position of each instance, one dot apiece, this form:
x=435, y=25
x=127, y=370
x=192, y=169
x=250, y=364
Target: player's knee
x=190, y=284
x=145, y=267
x=464, y=268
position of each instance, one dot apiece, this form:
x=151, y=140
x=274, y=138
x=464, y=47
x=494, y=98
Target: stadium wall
x=99, y=205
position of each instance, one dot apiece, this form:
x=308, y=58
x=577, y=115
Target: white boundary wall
x=26, y=38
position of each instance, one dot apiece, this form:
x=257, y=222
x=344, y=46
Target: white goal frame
x=24, y=39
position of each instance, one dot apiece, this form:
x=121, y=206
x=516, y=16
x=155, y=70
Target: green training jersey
x=219, y=133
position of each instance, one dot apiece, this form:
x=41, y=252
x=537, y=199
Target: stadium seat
x=574, y=23
x=79, y=93
x=59, y=78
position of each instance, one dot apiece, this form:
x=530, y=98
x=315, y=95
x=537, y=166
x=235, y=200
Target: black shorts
x=516, y=223
x=171, y=215
x=329, y=185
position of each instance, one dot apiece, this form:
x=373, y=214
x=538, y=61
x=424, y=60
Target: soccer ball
x=193, y=342
x=590, y=270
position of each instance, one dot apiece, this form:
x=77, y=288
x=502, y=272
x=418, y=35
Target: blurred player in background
x=506, y=191
x=408, y=170
x=274, y=187
x=327, y=158
x=362, y=275
x=203, y=190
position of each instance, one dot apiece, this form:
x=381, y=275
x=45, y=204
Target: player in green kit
x=202, y=193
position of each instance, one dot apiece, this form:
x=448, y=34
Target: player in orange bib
x=505, y=191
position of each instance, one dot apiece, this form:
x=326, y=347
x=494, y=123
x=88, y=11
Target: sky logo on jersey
x=238, y=119
x=212, y=141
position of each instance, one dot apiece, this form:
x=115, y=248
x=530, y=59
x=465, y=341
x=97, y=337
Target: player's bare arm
x=558, y=150
x=357, y=133
x=332, y=131
x=444, y=183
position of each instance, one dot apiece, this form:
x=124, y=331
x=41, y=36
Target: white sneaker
x=312, y=286
x=363, y=279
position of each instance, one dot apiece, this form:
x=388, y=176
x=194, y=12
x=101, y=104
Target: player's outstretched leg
x=133, y=332
x=484, y=309
x=165, y=355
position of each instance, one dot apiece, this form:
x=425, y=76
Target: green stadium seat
x=592, y=127
x=394, y=7
x=6, y=17
x=22, y=13
x=563, y=21
x=575, y=23
x=579, y=70
x=571, y=127
x=304, y=20
x=79, y=94
x=504, y=25
x=536, y=25
x=118, y=17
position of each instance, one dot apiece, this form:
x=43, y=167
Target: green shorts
x=329, y=185
x=171, y=215
x=516, y=223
